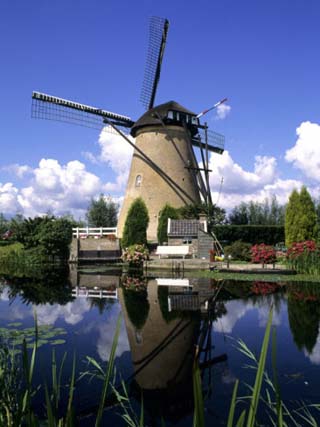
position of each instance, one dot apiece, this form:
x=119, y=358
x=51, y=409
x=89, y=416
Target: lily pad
x=14, y=324
x=57, y=342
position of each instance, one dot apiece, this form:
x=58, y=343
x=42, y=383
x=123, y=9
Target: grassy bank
x=245, y=277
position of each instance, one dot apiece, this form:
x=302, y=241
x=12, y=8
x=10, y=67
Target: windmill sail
x=157, y=42
x=215, y=141
x=53, y=108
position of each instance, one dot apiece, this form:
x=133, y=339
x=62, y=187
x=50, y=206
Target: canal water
x=164, y=321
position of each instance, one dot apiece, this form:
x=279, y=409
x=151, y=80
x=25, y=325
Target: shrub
x=263, y=254
x=135, y=227
x=238, y=250
x=167, y=212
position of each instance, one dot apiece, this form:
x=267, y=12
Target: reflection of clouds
x=4, y=294
x=235, y=310
x=315, y=355
x=263, y=315
x=15, y=312
x=72, y=312
x=239, y=308
x=106, y=333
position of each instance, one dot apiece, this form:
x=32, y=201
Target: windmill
x=164, y=167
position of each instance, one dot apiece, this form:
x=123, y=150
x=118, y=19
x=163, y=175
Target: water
x=162, y=322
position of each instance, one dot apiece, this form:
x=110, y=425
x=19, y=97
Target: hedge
x=268, y=234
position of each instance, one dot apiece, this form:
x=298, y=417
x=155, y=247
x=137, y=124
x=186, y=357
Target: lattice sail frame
x=48, y=107
x=158, y=30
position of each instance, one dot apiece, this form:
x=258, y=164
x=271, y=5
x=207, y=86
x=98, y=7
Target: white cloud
x=19, y=170
x=222, y=111
x=116, y=153
x=305, y=155
x=9, y=203
x=240, y=185
x=59, y=189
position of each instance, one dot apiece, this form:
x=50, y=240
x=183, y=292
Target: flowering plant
x=263, y=254
x=135, y=255
x=304, y=257
x=300, y=248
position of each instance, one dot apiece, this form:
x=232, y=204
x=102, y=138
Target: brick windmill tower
x=164, y=167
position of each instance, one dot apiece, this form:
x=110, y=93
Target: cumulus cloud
x=116, y=153
x=305, y=155
x=222, y=111
x=9, y=203
x=240, y=185
x=52, y=188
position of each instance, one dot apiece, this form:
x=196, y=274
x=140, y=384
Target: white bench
x=173, y=251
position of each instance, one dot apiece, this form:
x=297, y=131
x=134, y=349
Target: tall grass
x=306, y=263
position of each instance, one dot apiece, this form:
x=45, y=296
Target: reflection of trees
x=304, y=315
x=46, y=285
x=102, y=304
x=137, y=305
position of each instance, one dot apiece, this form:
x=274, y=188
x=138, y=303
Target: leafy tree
x=102, y=212
x=258, y=213
x=4, y=224
x=45, y=236
x=167, y=212
x=239, y=215
x=135, y=227
x=300, y=218
x=55, y=236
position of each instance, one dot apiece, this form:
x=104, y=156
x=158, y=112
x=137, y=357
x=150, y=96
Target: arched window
x=138, y=180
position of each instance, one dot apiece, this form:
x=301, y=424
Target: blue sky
x=262, y=55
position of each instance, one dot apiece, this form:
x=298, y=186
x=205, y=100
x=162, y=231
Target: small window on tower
x=138, y=180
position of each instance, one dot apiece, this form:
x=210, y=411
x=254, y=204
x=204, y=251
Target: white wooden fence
x=94, y=232
x=83, y=292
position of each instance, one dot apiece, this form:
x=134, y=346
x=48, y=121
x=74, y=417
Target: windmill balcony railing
x=96, y=232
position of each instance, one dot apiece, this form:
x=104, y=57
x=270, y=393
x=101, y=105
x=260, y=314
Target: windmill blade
x=215, y=141
x=158, y=31
x=53, y=108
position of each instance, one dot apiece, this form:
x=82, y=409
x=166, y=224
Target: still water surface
x=163, y=319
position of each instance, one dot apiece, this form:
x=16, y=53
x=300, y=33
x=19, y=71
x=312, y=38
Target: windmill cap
x=150, y=118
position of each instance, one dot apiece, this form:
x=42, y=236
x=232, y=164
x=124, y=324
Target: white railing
x=95, y=232
x=83, y=292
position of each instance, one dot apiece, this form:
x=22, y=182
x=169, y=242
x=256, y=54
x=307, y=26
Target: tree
x=167, y=212
x=258, y=213
x=55, y=237
x=300, y=218
x=239, y=215
x=102, y=212
x=135, y=227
